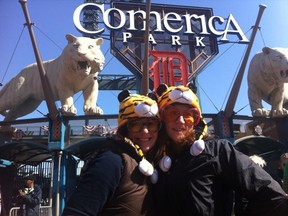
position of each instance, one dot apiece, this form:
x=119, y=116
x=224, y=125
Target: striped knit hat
x=183, y=95
x=135, y=105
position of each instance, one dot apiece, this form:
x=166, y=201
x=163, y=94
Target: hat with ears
x=181, y=95
x=176, y=94
x=135, y=105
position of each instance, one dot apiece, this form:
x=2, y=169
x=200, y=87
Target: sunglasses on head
x=137, y=125
x=172, y=114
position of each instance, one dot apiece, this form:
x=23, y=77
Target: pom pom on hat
x=146, y=167
x=154, y=177
x=165, y=163
x=197, y=147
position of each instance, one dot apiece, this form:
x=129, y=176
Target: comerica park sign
x=163, y=23
x=182, y=39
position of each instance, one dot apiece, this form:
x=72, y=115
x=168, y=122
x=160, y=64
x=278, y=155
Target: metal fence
x=44, y=211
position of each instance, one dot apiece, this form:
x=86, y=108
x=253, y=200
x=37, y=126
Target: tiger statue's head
x=85, y=53
x=135, y=106
x=274, y=64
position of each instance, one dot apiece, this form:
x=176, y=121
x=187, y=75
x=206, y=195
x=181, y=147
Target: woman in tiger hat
x=116, y=178
x=197, y=175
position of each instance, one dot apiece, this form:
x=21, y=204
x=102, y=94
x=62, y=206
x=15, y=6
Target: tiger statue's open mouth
x=86, y=66
x=283, y=73
x=83, y=65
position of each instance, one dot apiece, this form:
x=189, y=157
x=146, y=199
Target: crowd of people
x=162, y=162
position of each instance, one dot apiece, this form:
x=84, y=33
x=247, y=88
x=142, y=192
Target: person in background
x=280, y=170
x=30, y=197
x=115, y=180
x=198, y=175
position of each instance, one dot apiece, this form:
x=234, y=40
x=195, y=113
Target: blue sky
x=53, y=20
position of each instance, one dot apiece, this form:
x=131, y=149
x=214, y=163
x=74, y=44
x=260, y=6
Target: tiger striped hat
x=176, y=94
x=183, y=95
x=135, y=105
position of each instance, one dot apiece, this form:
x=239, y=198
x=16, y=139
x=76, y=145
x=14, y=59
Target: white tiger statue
x=75, y=69
x=268, y=81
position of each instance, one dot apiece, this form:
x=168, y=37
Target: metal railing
x=44, y=211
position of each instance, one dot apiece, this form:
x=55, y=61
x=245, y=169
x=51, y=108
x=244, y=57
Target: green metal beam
x=117, y=82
